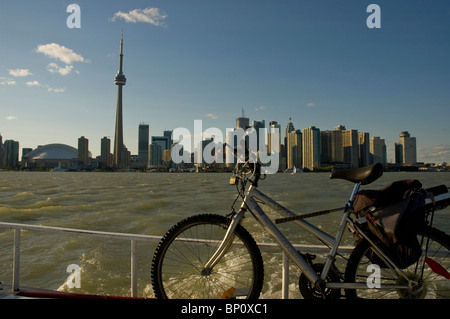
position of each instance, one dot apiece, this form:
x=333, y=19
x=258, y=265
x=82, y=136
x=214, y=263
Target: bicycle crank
x=310, y=291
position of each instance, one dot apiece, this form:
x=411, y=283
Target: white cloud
x=5, y=81
x=55, y=68
x=11, y=118
x=260, y=108
x=59, y=52
x=212, y=116
x=33, y=83
x=56, y=90
x=310, y=104
x=148, y=15
x=20, y=72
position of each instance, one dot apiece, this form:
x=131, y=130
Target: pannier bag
x=394, y=215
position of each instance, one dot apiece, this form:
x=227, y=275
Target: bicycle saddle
x=364, y=175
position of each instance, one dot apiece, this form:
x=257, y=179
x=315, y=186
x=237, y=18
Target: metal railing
x=133, y=238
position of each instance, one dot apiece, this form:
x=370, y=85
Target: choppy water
x=149, y=204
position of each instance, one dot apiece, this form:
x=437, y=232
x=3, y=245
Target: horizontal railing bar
x=128, y=236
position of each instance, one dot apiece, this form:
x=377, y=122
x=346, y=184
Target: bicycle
x=213, y=256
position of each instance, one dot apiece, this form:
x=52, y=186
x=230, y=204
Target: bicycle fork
x=225, y=244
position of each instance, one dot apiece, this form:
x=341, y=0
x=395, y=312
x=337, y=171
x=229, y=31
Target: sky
x=316, y=62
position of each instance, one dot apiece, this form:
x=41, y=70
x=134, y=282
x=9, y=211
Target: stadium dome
x=53, y=151
x=50, y=155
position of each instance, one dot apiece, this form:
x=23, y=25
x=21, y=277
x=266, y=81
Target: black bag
x=395, y=215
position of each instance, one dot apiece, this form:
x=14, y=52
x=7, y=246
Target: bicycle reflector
x=438, y=269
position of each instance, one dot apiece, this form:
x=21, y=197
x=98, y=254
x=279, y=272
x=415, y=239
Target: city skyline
x=317, y=63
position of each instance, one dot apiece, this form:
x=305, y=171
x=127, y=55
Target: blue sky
x=316, y=62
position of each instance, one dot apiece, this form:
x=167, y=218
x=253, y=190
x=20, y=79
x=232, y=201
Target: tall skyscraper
x=120, y=152
x=294, y=149
x=243, y=122
x=405, y=149
x=105, y=152
x=143, y=144
x=11, y=153
x=377, y=150
x=83, y=150
x=311, y=147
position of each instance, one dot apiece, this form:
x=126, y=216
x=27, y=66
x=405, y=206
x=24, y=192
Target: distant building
x=378, y=152
x=83, y=150
x=11, y=153
x=143, y=144
x=405, y=149
x=311, y=147
x=106, y=158
x=155, y=155
x=364, y=148
x=51, y=156
x=294, y=149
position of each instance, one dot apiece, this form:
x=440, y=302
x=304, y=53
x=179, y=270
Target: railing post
x=285, y=278
x=133, y=269
x=16, y=260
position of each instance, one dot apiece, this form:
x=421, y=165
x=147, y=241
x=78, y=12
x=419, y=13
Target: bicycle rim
x=432, y=280
x=177, y=270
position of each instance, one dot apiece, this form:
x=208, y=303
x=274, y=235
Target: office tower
x=83, y=150
x=289, y=128
x=11, y=153
x=377, y=150
x=143, y=143
x=350, y=145
x=294, y=149
x=168, y=134
x=364, y=149
x=274, y=128
x=243, y=122
x=405, y=149
x=105, y=152
x=155, y=155
x=163, y=141
x=120, y=152
x=311, y=147
x=257, y=125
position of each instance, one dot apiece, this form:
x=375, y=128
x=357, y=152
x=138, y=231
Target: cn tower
x=120, y=161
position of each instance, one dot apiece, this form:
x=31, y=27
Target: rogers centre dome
x=50, y=156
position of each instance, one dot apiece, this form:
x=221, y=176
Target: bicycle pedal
x=233, y=180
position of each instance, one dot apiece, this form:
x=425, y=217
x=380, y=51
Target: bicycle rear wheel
x=432, y=278
x=178, y=262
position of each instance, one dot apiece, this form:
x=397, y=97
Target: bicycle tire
x=177, y=265
x=434, y=286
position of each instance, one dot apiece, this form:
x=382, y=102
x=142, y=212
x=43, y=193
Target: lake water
x=149, y=204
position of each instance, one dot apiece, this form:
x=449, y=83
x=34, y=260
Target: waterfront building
x=11, y=153
x=83, y=150
x=311, y=147
x=405, y=149
x=51, y=156
x=378, y=152
x=350, y=145
x=364, y=148
x=243, y=122
x=294, y=149
x=155, y=155
x=289, y=128
x=143, y=143
x=257, y=125
x=121, y=156
x=105, y=152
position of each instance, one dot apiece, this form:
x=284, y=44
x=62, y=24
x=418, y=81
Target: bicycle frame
x=250, y=203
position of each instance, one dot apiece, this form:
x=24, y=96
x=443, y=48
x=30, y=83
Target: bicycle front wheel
x=185, y=249
x=429, y=271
